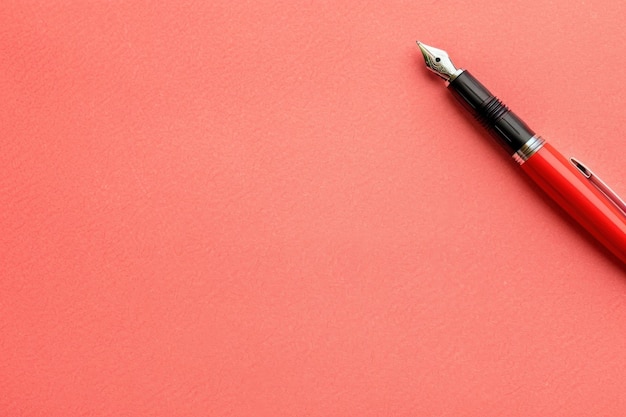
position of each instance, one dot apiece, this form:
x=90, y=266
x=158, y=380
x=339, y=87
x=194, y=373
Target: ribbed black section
x=491, y=112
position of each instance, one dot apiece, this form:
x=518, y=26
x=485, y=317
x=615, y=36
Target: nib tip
x=421, y=46
x=437, y=61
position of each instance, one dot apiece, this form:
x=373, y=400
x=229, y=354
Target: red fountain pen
x=580, y=192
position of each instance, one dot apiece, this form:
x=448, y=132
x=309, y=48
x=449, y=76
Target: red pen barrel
x=578, y=197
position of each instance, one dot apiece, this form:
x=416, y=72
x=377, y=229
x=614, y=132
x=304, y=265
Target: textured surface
x=262, y=209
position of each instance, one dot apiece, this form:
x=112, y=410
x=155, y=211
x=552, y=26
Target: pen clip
x=600, y=185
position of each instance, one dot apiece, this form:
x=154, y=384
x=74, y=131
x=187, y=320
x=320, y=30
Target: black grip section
x=490, y=112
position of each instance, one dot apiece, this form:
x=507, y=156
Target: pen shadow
x=554, y=207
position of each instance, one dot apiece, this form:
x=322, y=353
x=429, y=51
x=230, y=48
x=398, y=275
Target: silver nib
x=439, y=62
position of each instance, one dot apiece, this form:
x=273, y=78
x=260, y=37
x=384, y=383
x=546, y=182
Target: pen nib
x=439, y=62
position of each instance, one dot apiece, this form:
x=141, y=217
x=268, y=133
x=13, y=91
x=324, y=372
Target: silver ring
x=528, y=149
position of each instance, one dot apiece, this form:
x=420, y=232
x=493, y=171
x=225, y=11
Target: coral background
x=270, y=208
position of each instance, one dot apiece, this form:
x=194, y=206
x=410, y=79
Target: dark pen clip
x=600, y=185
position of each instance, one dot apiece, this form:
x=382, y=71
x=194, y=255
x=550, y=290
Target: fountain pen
x=569, y=182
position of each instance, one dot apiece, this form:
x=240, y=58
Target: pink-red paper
x=271, y=208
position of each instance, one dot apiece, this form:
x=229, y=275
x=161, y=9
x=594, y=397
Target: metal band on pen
x=454, y=75
x=528, y=149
